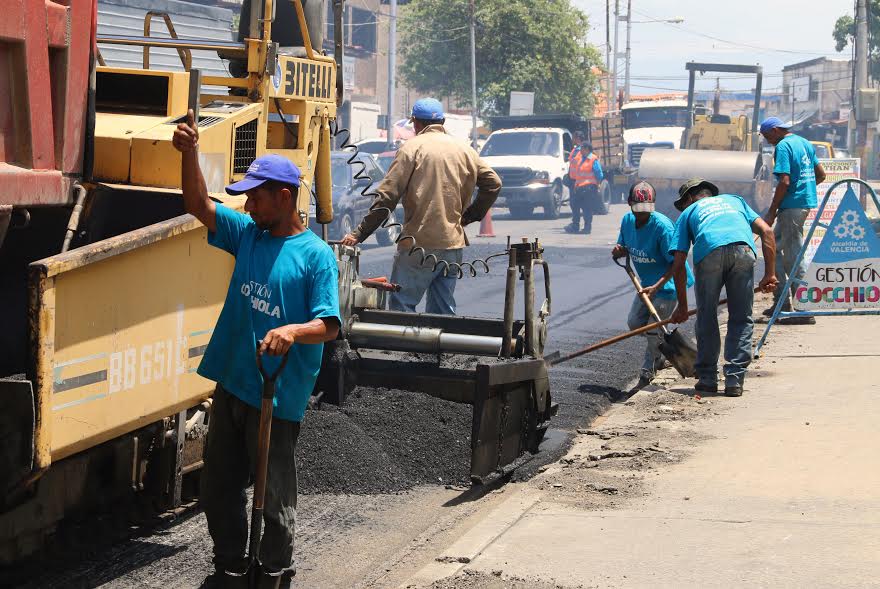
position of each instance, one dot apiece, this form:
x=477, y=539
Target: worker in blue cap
x=797, y=171
x=282, y=300
x=434, y=176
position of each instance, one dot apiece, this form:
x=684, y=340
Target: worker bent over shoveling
x=646, y=237
x=282, y=300
x=720, y=227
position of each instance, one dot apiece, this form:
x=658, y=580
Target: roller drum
x=429, y=340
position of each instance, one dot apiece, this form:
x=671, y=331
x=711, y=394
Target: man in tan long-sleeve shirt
x=435, y=176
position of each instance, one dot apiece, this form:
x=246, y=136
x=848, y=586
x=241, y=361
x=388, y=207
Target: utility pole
x=608, y=55
x=473, y=77
x=628, y=50
x=861, y=66
x=392, y=70
x=613, y=97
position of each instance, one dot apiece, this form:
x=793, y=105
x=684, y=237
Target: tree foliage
x=521, y=45
x=844, y=35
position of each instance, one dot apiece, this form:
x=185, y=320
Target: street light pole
x=392, y=71
x=628, y=50
x=613, y=97
x=608, y=55
x=473, y=77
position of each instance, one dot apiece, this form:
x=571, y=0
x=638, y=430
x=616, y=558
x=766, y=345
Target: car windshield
x=340, y=172
x=522, y=143
x=821, y=151
x=639, y=118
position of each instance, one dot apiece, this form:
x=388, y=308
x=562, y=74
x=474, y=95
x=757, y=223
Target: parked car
x=824, y=150
x=373, y=146
x=385, y=158
x=352, y=197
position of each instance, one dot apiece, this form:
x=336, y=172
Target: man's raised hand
x=186, y=136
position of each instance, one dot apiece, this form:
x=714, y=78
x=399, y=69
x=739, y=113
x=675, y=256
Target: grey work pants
x=230, y=456
x=789, y=233
x=731, y=267
x=639, y=316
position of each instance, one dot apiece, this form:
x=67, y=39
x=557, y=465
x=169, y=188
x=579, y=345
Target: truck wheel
x=602, y=202
x=520, y=211
x=551, y=209
x=389, y=235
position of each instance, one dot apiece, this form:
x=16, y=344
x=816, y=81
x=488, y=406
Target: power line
x=733, y=43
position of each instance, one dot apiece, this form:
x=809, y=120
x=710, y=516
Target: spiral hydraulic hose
x=457, y=270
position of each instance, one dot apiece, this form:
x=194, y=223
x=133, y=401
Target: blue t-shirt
x=796, y=157
x=649, y=249
x=276, y=281
x=597, y=170
x=712, y=222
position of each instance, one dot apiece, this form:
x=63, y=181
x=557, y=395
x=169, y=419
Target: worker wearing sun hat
x=720, y=227
x=797, y=171
x=433, y=175
x=647, y=236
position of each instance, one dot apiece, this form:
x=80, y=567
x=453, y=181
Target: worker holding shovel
x=282, y=304
x=720, y=227
x=646, y=238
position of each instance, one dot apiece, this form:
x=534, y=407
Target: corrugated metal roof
x=126, y=17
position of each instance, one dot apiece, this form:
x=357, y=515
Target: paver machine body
x=720, y=148
x=110, y=292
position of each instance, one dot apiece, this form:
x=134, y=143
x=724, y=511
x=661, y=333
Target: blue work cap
x=771, y=123
x=267, y=167
x=428, y=109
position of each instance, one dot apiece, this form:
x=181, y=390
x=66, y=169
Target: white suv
x=532, y=163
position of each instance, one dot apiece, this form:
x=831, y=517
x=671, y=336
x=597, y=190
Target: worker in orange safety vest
x=585, y=174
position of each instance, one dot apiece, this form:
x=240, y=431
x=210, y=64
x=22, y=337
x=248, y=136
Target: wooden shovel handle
x=637, y=283
x=623, y=336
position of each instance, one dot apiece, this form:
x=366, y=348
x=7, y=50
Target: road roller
x=718, y=148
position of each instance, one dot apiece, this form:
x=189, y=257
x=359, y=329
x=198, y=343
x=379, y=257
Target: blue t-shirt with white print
x=276, y=281
x=649, y=249
x=796, y=157
x=712, y=222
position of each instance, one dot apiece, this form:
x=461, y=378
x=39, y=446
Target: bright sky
x=772, y=33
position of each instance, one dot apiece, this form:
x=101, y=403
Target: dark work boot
x=267, y=581
x=733, y=390
x=706, y=387
x=223, y=580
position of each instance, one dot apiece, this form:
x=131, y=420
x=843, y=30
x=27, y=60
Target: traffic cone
x=486, y=229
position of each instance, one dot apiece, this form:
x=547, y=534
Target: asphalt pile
x=384, y=441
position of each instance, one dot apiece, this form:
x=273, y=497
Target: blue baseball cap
x=267, y=167
x=428, y=109
x=771, y=123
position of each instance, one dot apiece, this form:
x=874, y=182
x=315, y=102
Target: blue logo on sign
x=850, y=235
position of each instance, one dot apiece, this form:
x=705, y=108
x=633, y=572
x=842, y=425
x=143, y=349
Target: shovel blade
x=681, y=352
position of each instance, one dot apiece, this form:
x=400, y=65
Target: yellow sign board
x=296, y=78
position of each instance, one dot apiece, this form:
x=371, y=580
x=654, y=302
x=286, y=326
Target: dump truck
x=533, y=169
x=720, y=148
x=111, y=293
